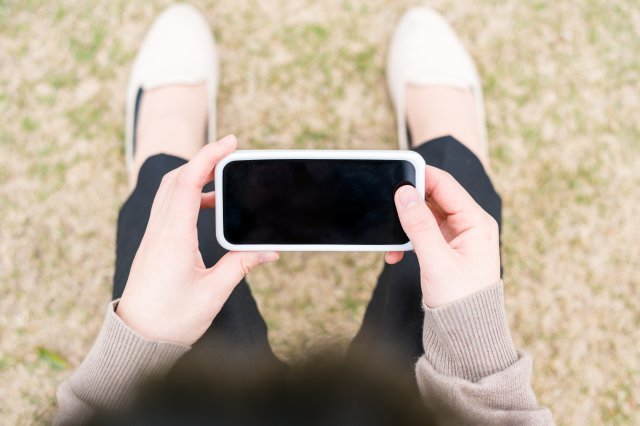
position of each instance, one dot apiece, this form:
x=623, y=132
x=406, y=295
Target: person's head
x=321, y=391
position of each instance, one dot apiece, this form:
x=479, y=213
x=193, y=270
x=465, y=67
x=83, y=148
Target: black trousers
x=392, y=325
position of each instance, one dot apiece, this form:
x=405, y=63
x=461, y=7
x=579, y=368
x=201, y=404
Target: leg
x=164, y=118
x=449, y=119
x=239, y=327
x=392, y=325
x=170, y=104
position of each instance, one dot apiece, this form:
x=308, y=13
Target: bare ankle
x=436, y=111
x=171, y=120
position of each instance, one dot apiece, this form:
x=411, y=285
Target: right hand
x=455, y=240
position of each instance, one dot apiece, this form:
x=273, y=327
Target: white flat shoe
x=425, y=51
x=178, y=49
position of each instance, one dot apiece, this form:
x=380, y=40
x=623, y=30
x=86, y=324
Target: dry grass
x=562, y=88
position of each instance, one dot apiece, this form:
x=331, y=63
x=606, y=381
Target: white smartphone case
x=415, y=159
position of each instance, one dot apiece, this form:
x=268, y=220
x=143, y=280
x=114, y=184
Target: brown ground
x=562, y=83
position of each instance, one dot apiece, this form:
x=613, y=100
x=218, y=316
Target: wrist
x=470, y=337
x=452, y=290
x=160, y=321
x=137, y=323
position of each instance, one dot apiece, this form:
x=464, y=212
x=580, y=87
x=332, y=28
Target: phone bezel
x=243, y=155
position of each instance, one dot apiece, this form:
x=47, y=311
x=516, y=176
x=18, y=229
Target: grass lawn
x=562, y=87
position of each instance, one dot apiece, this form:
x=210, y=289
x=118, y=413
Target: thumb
x=419, y=223
x=234, y=266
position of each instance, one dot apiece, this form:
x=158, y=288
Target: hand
x=456, y=241
x=170, y=294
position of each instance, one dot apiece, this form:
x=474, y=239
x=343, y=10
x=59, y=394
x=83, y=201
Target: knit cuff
x=470, y=338
x=118, y=361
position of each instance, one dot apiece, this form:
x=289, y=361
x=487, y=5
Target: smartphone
x=308, y=200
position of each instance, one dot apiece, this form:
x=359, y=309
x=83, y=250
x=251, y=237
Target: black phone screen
x=313, y=201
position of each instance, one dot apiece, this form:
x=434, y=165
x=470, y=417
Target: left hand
x=170, y=294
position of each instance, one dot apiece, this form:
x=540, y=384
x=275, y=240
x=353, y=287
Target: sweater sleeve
x=471, y=372
x=119, y=359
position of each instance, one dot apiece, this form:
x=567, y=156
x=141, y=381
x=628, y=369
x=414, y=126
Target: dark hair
x=320, y=391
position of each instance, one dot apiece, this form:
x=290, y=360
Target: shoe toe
x=426, y=51
x=179, y=48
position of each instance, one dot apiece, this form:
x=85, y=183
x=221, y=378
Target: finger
x=160, y=199
x=419, y=223
x=446, y=194
x=185, y=198
x=208, y=200
x=393, y=257
x=233, y=267
x=198, y=171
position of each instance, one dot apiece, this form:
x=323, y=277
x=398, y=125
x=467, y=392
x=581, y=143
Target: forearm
x=117, y=362
x=471, y=372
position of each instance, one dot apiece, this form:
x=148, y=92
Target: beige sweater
x=470, y=366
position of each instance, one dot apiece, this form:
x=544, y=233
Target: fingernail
x=408, y=196
x=227, y=140
x=269, y=256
